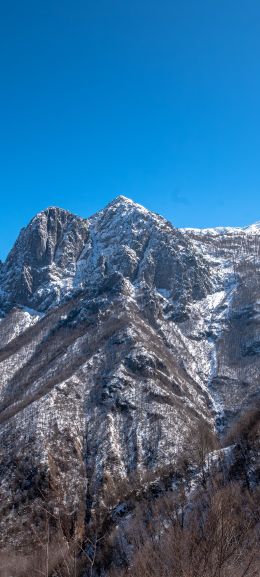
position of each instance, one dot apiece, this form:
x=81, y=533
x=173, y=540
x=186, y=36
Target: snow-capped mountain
x=117, y=333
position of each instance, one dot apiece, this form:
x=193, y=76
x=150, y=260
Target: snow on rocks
x=119, y=332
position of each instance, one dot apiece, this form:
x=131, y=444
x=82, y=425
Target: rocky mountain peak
x=122, y=210
x=122, y=200
x=59, y=252
x=43, y=258
x=118, y=334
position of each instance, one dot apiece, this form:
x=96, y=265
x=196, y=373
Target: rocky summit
x=118, y=333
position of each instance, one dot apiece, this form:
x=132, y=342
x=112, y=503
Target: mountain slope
x=118, y=333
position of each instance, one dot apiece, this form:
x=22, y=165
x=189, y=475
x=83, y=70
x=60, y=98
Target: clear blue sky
x=158, y=100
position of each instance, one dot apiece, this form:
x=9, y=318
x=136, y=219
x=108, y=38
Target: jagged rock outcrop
x=40, y=268
x=118, y=332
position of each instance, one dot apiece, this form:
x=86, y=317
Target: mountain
x=118, y=334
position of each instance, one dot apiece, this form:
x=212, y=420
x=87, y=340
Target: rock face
x=234, y=381
x=117, y=333
x=41, y=266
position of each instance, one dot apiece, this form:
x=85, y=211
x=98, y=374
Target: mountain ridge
x=123, y=200
x=118, y=334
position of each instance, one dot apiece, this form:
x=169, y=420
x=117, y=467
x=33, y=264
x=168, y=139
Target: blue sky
x=156, y=100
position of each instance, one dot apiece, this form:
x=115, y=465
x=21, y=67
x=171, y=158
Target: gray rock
x=118, y=332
